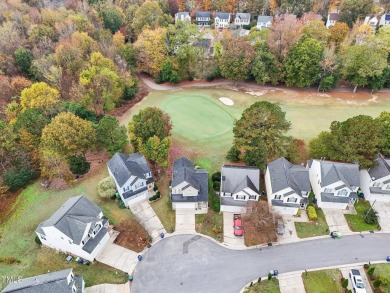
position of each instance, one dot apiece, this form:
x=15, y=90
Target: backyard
x=324, y=281
x=266, y=286
x=313, y=228
x=356, y=222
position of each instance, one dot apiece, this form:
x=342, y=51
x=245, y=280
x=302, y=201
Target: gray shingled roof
x=55, y=282
x=284, y=175
x=203, y=14
x=73, y=217
x=123, y=167
x=382, y=169
x=379, y=190
x=183, y=170
x=244, y=16
x=330, y=197
x=222, y=15
x=332, y=172
x=234, y=177
x=182, y=14
x=93, y=242
x=264, y=18
x=229, y=201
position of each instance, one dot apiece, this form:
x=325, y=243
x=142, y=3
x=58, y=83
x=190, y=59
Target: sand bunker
x=226, y=101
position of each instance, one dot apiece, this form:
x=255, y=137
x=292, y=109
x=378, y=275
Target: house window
x=292, y=199
x=252, y=197
x=328, y=190
x=70, y=242
x=278, y=196
x=387, y=186
x=342, y=192
x=376, y=184
x=240, y=196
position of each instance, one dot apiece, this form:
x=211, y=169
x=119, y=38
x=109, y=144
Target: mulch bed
x=132, y=235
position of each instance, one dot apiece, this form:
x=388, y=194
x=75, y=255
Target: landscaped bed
x=381, y=272
x=132, y=235
x=210, y=224
x=313, y=228
x=324, y=281
x=356, y=222
x=266, y=286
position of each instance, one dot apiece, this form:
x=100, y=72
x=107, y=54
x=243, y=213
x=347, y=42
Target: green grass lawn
x=382, y=270
x=35, y=205
x=266, y=286
x=210, y=224
x=313, y=228
x=163, y=207
x=356, y=222
x=324, y=281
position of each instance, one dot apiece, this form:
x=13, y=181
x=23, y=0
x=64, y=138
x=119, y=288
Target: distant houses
x=264, y=21
x=182, y=16
x=55, y=282
x=385, y=19
x=203, y=18
x=242, y=19
x=222, y=20
x=332, y=19
x=78, y=227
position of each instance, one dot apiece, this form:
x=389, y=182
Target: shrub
x=269, y=276
x=311, y=213
x=156, y=196
x=80, y=111
x=23, y=58
x=344, y=283
x=106, y=187
x=348, y=291
x=129, y=92
x=155, y=187
x=371, y=217
x=371, y=271
x=121, y=204
x=37, y=240
x=233, y=154
x=10, y=260
x=2, y=259
x=385, y=280
x=377, y=283
x=216, y=177
x=78, y=165
x=216, y=230
x=215, y=205
x=216, y=185
x=16, y=178
x=366, y=266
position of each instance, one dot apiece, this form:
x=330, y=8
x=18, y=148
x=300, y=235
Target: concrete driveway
x=345, y=272
x=290, y=233
x=228, y=232
x=193, y=264
x=383, y=209
x=291, y=283
x=185, y=220
x=336, y=220
x=118, y=257
x=146, y=216
x=109, y=288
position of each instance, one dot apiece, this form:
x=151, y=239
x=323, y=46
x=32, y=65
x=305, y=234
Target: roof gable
x=244, y=16
x=382, y=169
x=264, y=18
x=235, y=178
x=222, y=15
x=203, y=14
x=332, y=172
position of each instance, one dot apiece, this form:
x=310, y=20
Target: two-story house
x=288, y=186
x=385, y=19
x=78, y=227
x=242, y=19
x=239, y=184
x=372, y=21
x=264, y=21
x=132, y=176
x=334, y=184
x=182, y=16
x=190, y=188
x=55, y=282
x=332, y=19
x=375, y=182
x=222, y=20
x=203, y=18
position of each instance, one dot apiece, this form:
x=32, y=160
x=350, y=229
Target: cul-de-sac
x=195, y=146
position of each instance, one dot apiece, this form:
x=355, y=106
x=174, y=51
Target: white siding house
x=288, y=186
x=189, y=187
x=385, y=20
x=242, y=19
x=55, y=282
x=264, y=21
x=372, y=21
x=203, y=18
x=132, y=176
x=239, y=184
x=222, y=20
x=78, y=227
x=375, y=182
x=182, y=16
x=334, y=184
x=332, y=19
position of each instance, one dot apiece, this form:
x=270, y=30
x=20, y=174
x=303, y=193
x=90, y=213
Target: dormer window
x=342, y=192
x=376, y=184
x=292, y=199
x=387, y=186
x=328, y=190
x=278, y=196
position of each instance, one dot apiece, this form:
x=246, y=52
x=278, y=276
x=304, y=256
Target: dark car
x=237, y=225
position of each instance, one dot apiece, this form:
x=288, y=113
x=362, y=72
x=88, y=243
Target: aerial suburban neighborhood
x=204, y=146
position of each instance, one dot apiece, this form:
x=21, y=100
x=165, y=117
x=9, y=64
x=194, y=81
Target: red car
x=237, y=225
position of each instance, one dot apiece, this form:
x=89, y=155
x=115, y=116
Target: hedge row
x=311, y=213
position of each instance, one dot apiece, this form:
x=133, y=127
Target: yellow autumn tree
x=40, y=96
x=151, y=50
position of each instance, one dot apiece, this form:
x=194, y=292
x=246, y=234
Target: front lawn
x=313, y=228
x=266, y=286
x=210, y=224
x=163, y=206
x=324, y=281
x=356, y=222
x=383, y=270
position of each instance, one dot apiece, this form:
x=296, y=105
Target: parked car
x=237, y=225
x=280, y=227
x=357, y=281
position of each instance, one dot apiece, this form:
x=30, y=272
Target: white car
x=357, y=281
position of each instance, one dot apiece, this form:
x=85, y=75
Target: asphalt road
x=186, y=264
